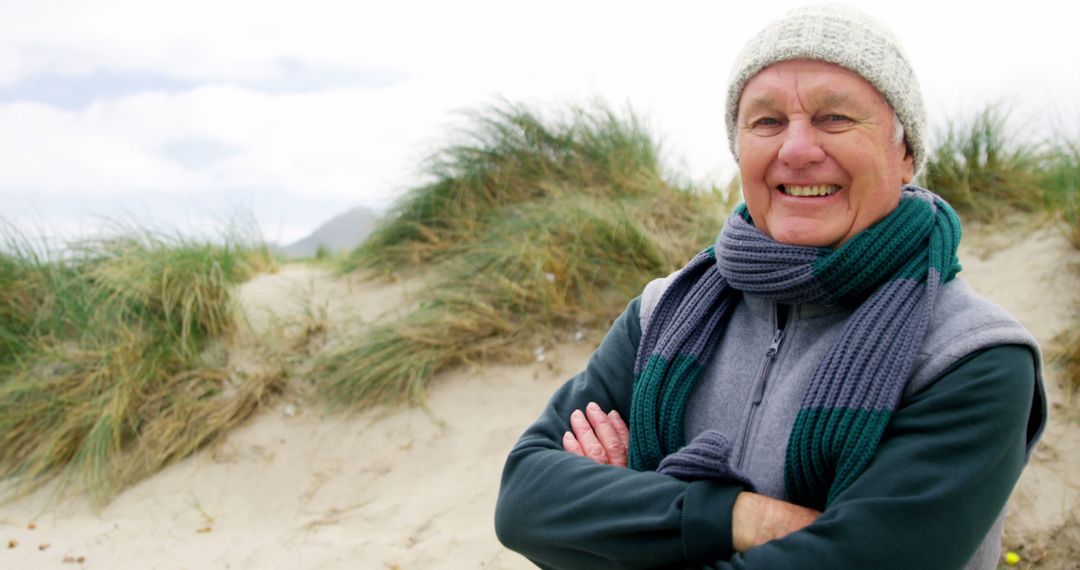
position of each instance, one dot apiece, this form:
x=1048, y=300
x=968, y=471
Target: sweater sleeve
x=941, y=475
x=561, y=510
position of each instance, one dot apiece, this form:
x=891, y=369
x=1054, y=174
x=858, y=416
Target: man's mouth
x=801, y=191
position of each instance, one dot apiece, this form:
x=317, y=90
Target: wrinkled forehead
x=814, y=82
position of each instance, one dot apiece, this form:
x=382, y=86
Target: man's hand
x=604, y=438
x=757, y=519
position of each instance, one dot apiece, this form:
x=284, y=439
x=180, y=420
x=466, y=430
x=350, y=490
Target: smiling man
x=820, y=159
x=817, y=389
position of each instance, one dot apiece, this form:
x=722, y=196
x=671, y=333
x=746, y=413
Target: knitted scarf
x=892, y=272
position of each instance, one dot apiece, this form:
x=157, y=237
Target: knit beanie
x=845, y=37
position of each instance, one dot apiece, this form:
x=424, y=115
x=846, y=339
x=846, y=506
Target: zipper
x=758, y=392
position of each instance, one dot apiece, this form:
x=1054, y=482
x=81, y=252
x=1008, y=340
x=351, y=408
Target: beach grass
x=1060, y=180
x=112, y=362
x=531, y=227
x=511, y=155
x=115, y=353
x=984, y=170
x=987, y=171
x=1067, y=355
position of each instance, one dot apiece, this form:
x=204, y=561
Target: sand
x=298, y=488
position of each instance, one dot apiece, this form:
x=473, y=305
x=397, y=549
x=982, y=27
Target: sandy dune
x=415, y=487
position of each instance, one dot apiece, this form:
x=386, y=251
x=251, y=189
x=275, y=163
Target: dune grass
x=984, y=170
x=483, y=221
x=113, y=359
x=108, y=367
x=511, y=155
x=1060, y=180
x=987, y=171
x=532, y=226
x=1067, y=355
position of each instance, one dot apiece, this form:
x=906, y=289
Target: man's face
x=816, y=153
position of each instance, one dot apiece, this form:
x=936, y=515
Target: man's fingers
x=606, y=433
x=570, y=443
x=620, y=428
x=587, y=438
x=602, y=437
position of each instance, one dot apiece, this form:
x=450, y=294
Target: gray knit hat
x=850, y=39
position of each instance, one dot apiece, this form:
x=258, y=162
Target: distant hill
x=342, y=233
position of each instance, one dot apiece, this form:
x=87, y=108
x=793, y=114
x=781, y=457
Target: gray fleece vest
x=754, y=404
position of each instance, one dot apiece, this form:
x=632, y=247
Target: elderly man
x=816, y=390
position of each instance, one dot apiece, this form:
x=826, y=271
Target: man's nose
x=801, y=146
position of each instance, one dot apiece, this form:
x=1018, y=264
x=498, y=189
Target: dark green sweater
x=952, y=453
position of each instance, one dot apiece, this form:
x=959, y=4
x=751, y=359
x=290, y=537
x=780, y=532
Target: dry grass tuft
x=1060, y=179
x=983, y=170
x=1067, y=354
x=533, y=227
x=108, y=367
x=986, y=172
x=512, y=155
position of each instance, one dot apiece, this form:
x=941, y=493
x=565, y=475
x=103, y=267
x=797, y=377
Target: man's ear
x=907, y=166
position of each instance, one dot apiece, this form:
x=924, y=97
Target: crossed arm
x=755, y=519
x=938, y=481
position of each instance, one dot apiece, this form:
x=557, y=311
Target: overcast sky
x=187, y=113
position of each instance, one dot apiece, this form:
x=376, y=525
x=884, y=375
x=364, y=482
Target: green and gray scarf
x=892, y=271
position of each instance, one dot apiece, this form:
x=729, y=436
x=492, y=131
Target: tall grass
x=512, y=155
x=112, y=355
x=1060, y=180
x=532, y=226
x=1067, y=355
x=107, y=364
x=984, y=170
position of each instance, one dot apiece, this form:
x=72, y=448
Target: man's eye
x=765, y=123
x=834, y=122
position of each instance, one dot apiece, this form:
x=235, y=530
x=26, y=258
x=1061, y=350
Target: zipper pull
x=775, y=346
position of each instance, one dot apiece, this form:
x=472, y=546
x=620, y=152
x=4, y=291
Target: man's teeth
x=819, y=190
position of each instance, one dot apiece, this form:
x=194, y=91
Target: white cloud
x=376, y=84
x=319, y=143
x=54, y=151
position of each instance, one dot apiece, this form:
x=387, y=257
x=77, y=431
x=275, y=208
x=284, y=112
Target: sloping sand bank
x=298, y=488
